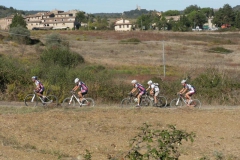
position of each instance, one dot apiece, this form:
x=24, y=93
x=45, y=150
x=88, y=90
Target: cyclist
x=82, y=86
x=140, y=88
x=39, y=87
x=189, y=88
x=154, y=90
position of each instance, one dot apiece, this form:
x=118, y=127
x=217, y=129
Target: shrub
x=20, y=35
x=61, y=56
x=157, y=144
x=131, y=40
x=220, y=50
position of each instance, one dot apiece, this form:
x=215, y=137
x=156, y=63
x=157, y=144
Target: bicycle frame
x=70, y=101
x=180, y=97
x=177, y=102
x=77, y=99
x=34, y=95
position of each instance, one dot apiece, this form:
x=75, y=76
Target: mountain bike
x=132, y=100
x=71, y=101
x=180, y=100
x=33, y=100
x=161, y=100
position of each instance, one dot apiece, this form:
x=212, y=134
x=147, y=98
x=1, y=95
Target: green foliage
x=87, y=155
x=237, y=20
x=12, y=72
x=224, y=15
x=191, y=8
x=18, y=20
x=55, y=39
x=220, y=50
x=20, y=35
x=157, y=144
x=61, y=56
x=197, y=18
x=131, y=40
x=171, y=13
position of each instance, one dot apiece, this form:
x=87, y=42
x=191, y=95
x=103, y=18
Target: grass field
x=105, y=131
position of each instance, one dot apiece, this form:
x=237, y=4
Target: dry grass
x=106, y=131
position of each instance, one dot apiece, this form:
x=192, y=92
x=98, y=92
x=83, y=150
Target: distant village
x=58, y=19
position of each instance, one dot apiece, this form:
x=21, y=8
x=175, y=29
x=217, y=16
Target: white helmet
x=134, y=81
x=183, y=81
x=149, y=82
x=76, y=80
x=34, y=77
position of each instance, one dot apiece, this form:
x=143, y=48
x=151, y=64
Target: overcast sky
x=113, y=6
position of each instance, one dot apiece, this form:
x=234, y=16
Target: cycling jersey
x=189, y=87
x=82, y=86
x=38, y=83
x=140, y=87
x=155, y=87
x=41, y=87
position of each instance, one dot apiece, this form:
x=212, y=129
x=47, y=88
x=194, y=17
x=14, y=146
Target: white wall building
x=123, y=25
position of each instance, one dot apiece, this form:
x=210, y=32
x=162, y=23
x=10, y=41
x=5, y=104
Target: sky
x=113, y=6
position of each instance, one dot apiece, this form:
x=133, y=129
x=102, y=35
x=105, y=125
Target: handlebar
x=72, y=92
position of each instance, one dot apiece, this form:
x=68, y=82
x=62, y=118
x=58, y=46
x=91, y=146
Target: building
x=123, y=25
x=55, y=19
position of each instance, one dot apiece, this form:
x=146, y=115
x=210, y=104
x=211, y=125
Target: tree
x=197, y=18
x=208, y=12
x=18, y=20
x=224, y=15
x=237, y=20
x=20, y=35
x=191, y=8
x=80, y=17
x=171, y=13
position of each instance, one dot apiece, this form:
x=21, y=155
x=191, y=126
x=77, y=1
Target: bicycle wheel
x=51, y=101
x=126, y=102
x=146, y=102
x=176, y=103
x=68, y=103
x=31, y=100
x=161, y=101
x=88, y=102
x=196, y=103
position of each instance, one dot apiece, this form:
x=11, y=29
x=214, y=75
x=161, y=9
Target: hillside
x=4, y=11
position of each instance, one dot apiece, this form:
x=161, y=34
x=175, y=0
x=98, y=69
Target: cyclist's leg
x=139, y=97
x=188, y=97
x=81, y=94
x=155, y=97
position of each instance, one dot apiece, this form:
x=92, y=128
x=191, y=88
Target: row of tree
x=190, y=17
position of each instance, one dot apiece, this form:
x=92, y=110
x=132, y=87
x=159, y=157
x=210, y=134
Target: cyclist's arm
x=183, y=91
x=133, y=90
x=37, y=87
x=148, y=88
x=75, y=88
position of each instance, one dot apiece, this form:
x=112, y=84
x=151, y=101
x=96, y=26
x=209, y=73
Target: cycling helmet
x=76, y=80
x=34, y=77
x=183, y=81
x=149, y=82
x=134, y=81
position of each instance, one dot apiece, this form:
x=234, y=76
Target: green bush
x=220, y=50
x=20, y=35
x=131, y=40
x=61, y=56
x=157, y=144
